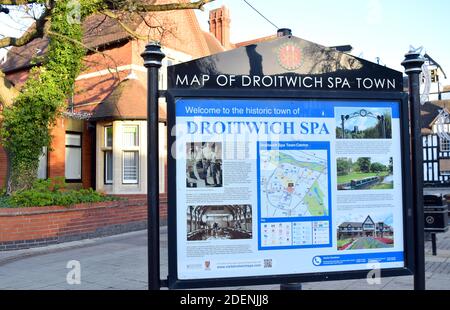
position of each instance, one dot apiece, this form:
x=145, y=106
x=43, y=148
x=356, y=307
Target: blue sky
x=375, y=28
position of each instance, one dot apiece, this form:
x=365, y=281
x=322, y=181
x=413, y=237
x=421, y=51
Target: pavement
x=120, y=263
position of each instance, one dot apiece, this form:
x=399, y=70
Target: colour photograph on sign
x=282, y=187
x=365, y=123
x=364, y=173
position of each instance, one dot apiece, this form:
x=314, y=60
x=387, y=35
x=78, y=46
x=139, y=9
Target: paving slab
x=120, y=262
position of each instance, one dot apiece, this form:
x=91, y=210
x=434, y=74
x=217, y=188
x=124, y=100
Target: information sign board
x=289, y=184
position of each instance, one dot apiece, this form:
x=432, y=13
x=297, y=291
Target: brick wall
x=34, y=227
x=57, y=155
x=87, y=148
x=3, y=167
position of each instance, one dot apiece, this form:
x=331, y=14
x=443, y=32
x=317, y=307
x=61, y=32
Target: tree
x=344, y=166
x=377, y=168
x=28, y=115
x=363, y=164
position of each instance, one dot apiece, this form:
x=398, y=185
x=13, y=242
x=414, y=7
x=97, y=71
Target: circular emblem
x=430, y=220
x=290, y=56
x=363, y=113
x=317, y=261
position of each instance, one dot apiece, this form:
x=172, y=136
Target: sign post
x=413, y=67
x=152, y=61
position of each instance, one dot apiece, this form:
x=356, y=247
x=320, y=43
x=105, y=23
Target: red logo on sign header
x=290, y=56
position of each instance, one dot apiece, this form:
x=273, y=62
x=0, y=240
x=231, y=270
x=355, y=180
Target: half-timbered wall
x=436, y=160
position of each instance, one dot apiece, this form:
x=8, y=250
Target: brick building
x=101, y=140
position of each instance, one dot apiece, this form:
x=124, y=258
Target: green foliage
x=363, y=164
x=26, y=124
x=377, y=167
x=344, y=166
x=51, y=193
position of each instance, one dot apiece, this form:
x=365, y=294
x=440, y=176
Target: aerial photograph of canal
x=365, y=173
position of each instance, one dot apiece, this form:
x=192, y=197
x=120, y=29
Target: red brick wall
x=57, y=154
x=30, y=227
x=3, y=167
x=110, y=58
x=87, y=148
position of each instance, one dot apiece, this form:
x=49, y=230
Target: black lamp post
x=153, y=57
x=413, y=67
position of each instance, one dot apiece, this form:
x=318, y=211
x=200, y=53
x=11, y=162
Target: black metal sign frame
x=173, y=95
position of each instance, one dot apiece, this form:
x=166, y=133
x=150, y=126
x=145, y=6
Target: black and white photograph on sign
x=363, y=123
x=227, y=222
x=365, y=173
x=365, y=231
x=204, y=164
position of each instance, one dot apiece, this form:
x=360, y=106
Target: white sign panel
x=282, y=187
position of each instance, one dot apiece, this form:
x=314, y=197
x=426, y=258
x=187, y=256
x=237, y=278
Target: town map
x=294, y=183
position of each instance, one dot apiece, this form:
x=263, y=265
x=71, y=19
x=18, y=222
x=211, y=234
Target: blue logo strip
x=355, y=259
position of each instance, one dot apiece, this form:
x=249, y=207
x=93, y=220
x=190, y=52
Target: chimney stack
x=219, y=25
x=282, y=32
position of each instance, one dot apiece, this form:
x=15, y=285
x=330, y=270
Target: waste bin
x=436, y=214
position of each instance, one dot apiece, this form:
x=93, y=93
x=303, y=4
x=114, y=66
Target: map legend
x=321, y=232
x=276, y=234
x=302, y=233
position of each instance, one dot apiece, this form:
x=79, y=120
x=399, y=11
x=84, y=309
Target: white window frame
x=135, y=181
x=106, y=136
x=73, y=146
x=136, y=139
x=43, y=164
x=108, y=181
x=108, y=149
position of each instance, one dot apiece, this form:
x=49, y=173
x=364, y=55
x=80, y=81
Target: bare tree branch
x=36, y=31
x=123, y=25
x=142, y=6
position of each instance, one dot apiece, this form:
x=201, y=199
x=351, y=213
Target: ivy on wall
x=26, y=123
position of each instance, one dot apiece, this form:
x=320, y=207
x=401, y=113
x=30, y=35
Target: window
x=108, y=155
x=108, y=167
x=444, y=166
x=42, y=169
x=445, y=145
x=130, y=167
x=73, y=157
x=130, y=136
x=108, y=136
